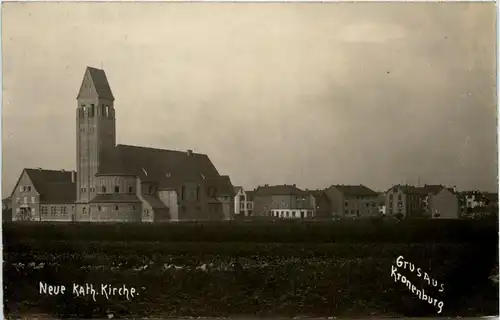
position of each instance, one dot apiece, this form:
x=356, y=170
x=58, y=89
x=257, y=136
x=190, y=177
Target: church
x=121, y=183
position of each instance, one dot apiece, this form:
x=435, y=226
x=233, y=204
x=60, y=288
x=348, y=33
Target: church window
x=130, y=189
x=107, y=111
x=99, y=208
x=103, y=189
x=116, y=208
x=92, y=110
x=117, y=189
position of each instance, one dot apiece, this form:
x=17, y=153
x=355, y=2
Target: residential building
x=44, y=195
x=243, y=202
x=250, y=204
x=353, y=201
x=443, y=203
x=381, y=204
x=474, y=204
x=269, y=200
x=429, y=201
x=404, y=201
x=321, y=205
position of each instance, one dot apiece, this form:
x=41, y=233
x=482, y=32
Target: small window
x=103, y=189
x=116, y=208
x=33, y=200
x=130, y=189
x=117, y=189
x=133, y=208
x=92, y=110
x=29, y=188
x=21, y=189
x=151, y=189
x=99, y=208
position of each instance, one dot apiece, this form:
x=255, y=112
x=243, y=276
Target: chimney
x=189, y=152
x=73, y=174
x=294, y=185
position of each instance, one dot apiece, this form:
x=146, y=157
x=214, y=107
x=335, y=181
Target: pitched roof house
x=353, y=200
x=266, y=198
x=37, y=190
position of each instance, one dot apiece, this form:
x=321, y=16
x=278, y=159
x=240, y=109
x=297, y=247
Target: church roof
x=223, y=186
x=96, y=79
x=168, y=168
x=54, y=186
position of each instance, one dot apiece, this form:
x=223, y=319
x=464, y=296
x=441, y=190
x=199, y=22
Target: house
x=250, y=204
x=381, y=204
x=122, y=183
x=443, y=203
x=44, y=195
x=353, y=201
x=321, y=203
x=405, y=201
x=429, y=201
x=475, y=204
x=282, y=201
x=243, y=202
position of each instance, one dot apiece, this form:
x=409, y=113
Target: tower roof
x=95, y=85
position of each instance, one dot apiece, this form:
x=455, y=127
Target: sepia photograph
x=247, y=160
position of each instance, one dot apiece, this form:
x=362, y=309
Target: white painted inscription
x=107, y=291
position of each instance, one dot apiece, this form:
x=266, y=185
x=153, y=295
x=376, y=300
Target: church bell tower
x=95, y=135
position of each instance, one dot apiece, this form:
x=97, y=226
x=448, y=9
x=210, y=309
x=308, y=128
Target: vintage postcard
x=249, y=159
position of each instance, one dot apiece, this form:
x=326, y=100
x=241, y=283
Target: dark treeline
x=420, y=231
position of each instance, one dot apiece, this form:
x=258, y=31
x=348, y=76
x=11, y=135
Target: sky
x=311, y=94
